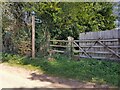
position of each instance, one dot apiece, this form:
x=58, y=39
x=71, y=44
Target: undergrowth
x=101, y=72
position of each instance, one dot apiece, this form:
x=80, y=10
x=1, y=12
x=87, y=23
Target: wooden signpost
x=33, y=34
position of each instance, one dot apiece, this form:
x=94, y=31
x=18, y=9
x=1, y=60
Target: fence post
x=70, y=47
x=48, y=43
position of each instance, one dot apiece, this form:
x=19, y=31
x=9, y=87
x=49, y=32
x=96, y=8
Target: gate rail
x=97, y=49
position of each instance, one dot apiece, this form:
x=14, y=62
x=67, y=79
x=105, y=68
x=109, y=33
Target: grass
x=101, y=72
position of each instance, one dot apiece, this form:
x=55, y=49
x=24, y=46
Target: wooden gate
x=98, y=45
x=101, y=45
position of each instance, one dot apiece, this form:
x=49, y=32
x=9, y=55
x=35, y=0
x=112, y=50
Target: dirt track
x=14, y=77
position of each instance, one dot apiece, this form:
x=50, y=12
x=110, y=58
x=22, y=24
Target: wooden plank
x=97, y=52
x=61, y=46
x=100, y=58
x=109, y=49
x=108, y=34
x=82, y=49
x=119, y=33
x=100, y=46
x=58, y=46
x=81, y=36
x=105, y=40
x=59, y=51
x=59, y=41
x=119, y=45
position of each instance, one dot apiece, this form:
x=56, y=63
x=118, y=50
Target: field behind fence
x=98, y=45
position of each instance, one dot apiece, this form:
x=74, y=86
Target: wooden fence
x=98, y=45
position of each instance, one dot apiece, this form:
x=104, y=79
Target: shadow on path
x=67, y=82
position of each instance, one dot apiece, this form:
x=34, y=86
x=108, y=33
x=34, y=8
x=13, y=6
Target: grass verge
x=100, y=72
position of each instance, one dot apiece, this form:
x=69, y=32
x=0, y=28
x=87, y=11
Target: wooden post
x=48, y=42
x=70, y=47
x=33, y=36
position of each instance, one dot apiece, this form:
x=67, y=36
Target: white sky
x=117, y=0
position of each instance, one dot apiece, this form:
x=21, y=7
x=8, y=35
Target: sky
x=117, y=0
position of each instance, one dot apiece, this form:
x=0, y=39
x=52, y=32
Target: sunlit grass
x=101, y=72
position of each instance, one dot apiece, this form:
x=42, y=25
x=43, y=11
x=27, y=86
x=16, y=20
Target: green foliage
x=10, y=58
x=85, y=17
x=69, y=19
x=23, y=42
x=59, y=20
x=96, y=71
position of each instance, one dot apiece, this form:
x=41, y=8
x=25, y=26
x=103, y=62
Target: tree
x=59, y=19
x=13, y=23
x=85, y=17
